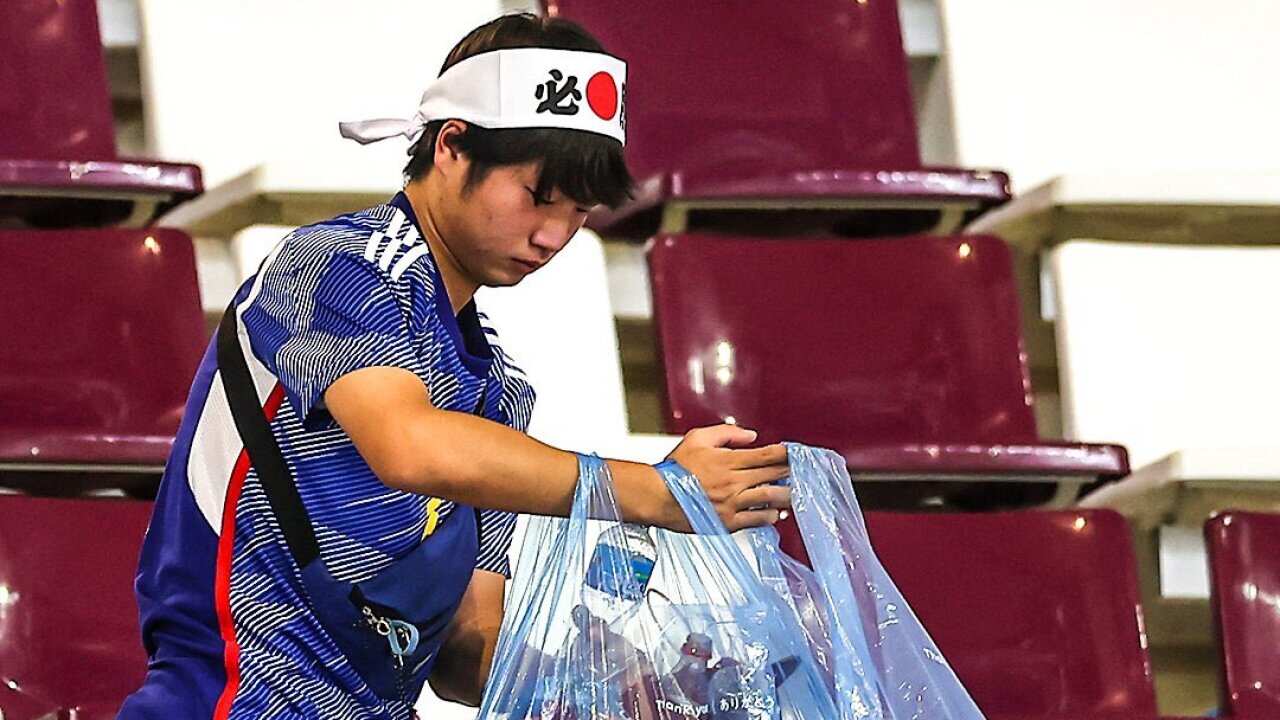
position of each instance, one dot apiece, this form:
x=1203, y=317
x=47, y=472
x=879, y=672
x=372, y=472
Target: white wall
x=233, y=83
x=215, y=72
x=1166, y=348
x=1045, y=87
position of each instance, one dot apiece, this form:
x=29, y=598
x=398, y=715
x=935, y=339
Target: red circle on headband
x=602, y=95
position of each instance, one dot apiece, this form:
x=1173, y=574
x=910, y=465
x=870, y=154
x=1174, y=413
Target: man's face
x=499, y=231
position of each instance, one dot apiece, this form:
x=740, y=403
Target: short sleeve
x=312, y=325
x=496, y=529
x=518, y=397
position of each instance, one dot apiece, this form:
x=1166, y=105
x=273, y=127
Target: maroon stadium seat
x=1244, y=565
x=771, y=100
x=102, y=333
x=904, y=355
x=68, y=619
x=58, y=163
x=1038, y=612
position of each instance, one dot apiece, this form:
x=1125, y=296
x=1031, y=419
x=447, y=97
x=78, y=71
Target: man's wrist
x=666, y=513
x=673, y=516
x=650, y=501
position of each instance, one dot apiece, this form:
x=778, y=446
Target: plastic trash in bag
x=608, y=620
x=593, y=634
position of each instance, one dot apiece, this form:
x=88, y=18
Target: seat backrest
x=1121, y=106
x=901, y=340
x=558, y=326
x=103, y=332
x=69, y=626
x=1163, y=348
x=1038, y=612
x=285, y=76
x=1244, y=589
x=766, y=86
x=54, y=101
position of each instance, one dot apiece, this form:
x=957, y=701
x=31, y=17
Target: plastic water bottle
x=622, y=562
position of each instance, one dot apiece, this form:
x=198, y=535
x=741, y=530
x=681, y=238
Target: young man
x=332, y=527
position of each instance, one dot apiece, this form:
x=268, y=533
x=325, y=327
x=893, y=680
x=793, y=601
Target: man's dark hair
x=585, y=166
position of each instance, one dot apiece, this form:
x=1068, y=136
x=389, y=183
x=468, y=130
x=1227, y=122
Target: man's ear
x=447, y=158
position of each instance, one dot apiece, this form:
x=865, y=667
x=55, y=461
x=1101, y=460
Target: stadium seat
x=1037, y=611
x=1245, y=586
x=69, y=641
x=774, y=106
x=58, y=162
x=102, y=335
x=901, y=354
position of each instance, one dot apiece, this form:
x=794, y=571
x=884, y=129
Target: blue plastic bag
x=594, y=631
x=882, y=662
x=612, y=621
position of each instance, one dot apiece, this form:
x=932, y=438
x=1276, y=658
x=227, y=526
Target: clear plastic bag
x=588, y=635
x=607, y=620
x=883, y=663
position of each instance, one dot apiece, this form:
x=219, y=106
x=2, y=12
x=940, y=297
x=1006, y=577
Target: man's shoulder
x=345, y=234
x=382, y=238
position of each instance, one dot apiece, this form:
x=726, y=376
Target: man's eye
x=538, y=199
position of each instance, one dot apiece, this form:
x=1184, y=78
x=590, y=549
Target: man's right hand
x=736, y=478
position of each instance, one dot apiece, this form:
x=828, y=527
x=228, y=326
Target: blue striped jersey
x=221, y=599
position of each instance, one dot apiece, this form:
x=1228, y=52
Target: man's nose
x=553, y=235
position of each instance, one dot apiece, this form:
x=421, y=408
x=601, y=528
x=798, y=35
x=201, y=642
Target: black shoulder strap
x=264, y=453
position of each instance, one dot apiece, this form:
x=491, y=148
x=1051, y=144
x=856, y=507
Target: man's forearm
x=475, y=461
x=463, y=668
x=414, y=446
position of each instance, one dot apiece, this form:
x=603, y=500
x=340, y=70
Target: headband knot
x=517, y=88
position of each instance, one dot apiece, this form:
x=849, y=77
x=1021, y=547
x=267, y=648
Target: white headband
x=518, y=88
